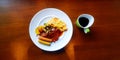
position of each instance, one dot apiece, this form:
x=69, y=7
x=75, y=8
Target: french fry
x=44, y=42
x=45, y=39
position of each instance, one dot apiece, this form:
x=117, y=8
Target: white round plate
x=43, y=16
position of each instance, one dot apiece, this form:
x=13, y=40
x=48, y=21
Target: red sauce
x=54, y=35
x=57, y=34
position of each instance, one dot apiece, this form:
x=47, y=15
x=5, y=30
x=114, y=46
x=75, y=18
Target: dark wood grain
x=102, y=43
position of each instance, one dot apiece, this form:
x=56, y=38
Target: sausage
x=45, y=39
x=44, y=42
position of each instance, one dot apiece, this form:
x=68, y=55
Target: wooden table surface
x=103, y=43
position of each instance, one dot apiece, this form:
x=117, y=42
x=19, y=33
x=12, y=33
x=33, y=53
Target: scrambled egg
x=56, y=22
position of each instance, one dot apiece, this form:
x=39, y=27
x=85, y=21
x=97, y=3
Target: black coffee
x=83, y=21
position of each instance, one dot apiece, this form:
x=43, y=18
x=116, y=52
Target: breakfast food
x=50, y=31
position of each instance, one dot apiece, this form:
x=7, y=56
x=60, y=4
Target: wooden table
x=103, y=43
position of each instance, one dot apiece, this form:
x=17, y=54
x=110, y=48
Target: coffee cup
x=85, y=21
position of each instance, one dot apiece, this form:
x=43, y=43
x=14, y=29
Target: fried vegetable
x=40, y=28
x=37, y=31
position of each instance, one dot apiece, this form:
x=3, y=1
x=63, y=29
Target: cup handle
x=86, y=30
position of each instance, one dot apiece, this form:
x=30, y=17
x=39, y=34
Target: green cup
x=85, y=21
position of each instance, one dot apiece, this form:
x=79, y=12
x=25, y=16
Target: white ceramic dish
x=43, y=16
